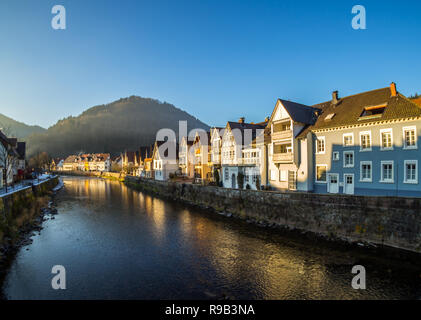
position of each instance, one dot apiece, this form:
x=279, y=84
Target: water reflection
x=119, y=243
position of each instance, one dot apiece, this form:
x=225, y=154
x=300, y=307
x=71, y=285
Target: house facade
x=367, y=144
x=215, y=163
x=185, y=158
x=241, y=154
x=88, y=162
x=164, y=160
x=201, y=156
x=289, y=157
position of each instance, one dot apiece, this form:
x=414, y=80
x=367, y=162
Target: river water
x=116, y=243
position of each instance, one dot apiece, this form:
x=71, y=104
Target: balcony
x=282, y=157
x=282, y=135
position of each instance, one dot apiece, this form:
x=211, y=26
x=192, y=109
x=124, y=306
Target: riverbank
x=22, y=214
x=391, y=224
x=116, y=176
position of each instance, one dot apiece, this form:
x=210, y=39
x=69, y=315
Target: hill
x=18, y=129
x=125, y=124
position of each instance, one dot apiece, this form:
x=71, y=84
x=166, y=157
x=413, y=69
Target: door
x=349, y=184
x=292, y=180
x=233, y=181
x=333, y=183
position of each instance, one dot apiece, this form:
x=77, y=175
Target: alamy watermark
x=58, y=22
x=359, y=21
x=59, y=280
x=359, y=281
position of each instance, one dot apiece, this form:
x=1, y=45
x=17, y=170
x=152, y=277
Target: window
x=411, y=171
x=387, y=171
x=348, y=139
x=335, y=156
x=329, y=116
x=226, y=174
x=365, y=141
x=321, y=170
x=320, y=145
x=273, y=175
x=283, y=175
x=348, y=159
x=386, y=139
x=373, y=111
x=410, y=138
x=366, y=170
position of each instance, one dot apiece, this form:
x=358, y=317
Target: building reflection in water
x=236, y=256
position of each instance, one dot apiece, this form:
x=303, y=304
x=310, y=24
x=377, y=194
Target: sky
x=219, y=60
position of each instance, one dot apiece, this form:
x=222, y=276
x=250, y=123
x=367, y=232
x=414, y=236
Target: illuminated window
x=321, y=170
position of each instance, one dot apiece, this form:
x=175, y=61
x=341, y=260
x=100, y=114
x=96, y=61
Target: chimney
x=335, y=97
x=241, y=120
x=393, y=89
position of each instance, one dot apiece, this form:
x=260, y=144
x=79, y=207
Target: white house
x=242, y=153
x=164, y=159
x=290, y=159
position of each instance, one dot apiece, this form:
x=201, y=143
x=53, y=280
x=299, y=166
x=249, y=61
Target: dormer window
x=329, y=116
x=373, y=111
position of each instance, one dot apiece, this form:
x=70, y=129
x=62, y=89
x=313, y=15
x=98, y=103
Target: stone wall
x=389, y=221
x=20, y=207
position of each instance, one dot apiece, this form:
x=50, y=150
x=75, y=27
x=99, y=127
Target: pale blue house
x=367, y=144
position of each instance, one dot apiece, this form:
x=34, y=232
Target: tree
x=415, y=96
x=41, y=161
x=8, y=157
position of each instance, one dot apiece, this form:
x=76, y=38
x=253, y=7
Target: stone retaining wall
x=389, y=221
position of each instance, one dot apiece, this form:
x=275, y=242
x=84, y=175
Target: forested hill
x=125, y=124
x=17, y=129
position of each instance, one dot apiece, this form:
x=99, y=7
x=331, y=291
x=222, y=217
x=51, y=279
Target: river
x=116, y=243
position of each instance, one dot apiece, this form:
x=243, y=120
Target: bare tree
x=8, y=156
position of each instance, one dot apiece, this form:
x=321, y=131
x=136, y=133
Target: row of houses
x=84, y=162
x=364, y=144
x=12, y=160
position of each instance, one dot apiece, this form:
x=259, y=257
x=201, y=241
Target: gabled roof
x=299, y=112
x=197, y=138
x=70, y=159
x=157, y=150
x=187, y=141
x=218, y=130
x=130, y=155
x=246, y=126
x=145, y=152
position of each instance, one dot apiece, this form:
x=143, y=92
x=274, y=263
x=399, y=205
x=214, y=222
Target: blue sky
x=218, y=60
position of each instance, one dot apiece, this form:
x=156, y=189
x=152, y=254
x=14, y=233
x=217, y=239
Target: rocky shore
x=9, y=246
